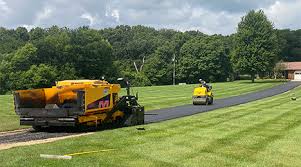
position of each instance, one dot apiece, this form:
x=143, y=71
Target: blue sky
x=211, y=17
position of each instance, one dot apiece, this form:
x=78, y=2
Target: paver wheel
x=210, y=101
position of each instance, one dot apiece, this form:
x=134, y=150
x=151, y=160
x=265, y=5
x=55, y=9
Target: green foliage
x=137, y=79
x=54, y=49
x=203, y=57
x=24, y=57
x=290, y=44
x=64, y=53
x=36, y=77
x=14, y=67
x=41, y=76
x=159, y=66
x=66, y=72
x=11, y=40
x=256, y=45
x=85, y=53
x=93, y=53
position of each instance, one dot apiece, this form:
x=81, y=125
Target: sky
x=207, y=16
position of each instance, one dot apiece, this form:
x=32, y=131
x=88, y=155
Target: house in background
x=292, y=70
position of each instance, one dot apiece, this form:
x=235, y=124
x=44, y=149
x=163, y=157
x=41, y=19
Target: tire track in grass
x=257, y=104
x=227, y=116
x=155, y=161
x=225, y=141
x=254, y=110
x=231, y=139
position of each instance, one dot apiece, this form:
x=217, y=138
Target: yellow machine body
x=202, y=95
x=201, y=91
x=78, y=101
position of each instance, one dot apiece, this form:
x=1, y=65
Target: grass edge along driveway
x=261, y=133
x=152, y=97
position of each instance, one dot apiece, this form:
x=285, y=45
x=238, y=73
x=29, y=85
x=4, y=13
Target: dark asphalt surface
x=186, y=110
x=161, y=114
x=30, y=135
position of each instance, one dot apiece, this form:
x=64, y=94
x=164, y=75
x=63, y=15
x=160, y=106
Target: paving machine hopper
x=78, y=102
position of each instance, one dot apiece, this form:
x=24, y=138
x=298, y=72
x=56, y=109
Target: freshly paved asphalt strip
x=186, y=110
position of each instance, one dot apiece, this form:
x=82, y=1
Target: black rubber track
x=186, y=110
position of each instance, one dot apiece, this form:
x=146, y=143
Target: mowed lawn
x=262, y=133
x=154, y=97
x=157, y=97
x=8, y=118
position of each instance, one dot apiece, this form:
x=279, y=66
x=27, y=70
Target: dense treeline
x=41, y=56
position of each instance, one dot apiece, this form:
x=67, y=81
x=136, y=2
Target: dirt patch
x=4, y=133
x=18, y=144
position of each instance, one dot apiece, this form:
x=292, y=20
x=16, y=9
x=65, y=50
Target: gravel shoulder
x=38, y=140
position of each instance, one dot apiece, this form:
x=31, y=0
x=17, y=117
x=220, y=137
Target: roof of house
x=292, y=65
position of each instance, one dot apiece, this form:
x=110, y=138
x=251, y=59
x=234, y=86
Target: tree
x=24, y=57
x=290, y=44
x=22, y=33
x=279, y=69
x=66, y=72
x=40, y=76
x=255, y=45
x=11, y=40
x=158, y=67
x=55, y=49
x=203, y=57
x=93, y=54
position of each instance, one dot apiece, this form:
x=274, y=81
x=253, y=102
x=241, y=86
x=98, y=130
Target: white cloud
x=211, y=17
x=28, y=27
x=115, y=14
x=43, y=15
x=3, y=7
x=112, y=13
x=4, y=10
x=90, y=18
x=285, y=14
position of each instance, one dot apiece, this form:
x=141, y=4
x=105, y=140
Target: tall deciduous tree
x=24, y=57
x=159, y=66
x=93, y=52
x=203, y=57
x=256, y=45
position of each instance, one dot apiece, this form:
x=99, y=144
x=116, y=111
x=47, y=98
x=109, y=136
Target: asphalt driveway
x=186, y=110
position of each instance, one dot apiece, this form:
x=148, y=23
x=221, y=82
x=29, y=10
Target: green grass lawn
x=8, y=118
x=154, y=97
x=262, y=133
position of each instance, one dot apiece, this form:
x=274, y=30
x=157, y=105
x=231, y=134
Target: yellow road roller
x=78, y=102
x=202, y=95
